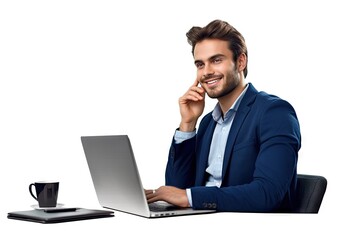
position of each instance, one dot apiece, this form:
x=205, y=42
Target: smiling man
x=243, y=156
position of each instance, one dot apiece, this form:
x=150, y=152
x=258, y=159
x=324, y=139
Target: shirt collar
x=216, y=114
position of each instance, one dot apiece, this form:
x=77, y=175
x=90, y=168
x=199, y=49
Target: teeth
x=211, y=82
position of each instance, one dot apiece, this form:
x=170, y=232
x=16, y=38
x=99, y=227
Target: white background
x=73, y=68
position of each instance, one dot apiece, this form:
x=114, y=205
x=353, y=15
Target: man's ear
x=241, y=62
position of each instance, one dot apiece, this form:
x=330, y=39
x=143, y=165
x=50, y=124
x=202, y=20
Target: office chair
x=310, y=192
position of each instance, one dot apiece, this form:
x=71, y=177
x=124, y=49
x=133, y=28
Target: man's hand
x=168, y=194
x=192, y=105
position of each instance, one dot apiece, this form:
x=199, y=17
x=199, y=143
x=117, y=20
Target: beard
x=230, y=81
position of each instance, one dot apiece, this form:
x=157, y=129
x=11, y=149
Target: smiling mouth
x=212, y=82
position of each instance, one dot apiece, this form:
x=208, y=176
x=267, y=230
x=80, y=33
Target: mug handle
x=30, y=190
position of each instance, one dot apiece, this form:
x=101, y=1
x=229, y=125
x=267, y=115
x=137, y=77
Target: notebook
x=41, y=216
x=116, y=178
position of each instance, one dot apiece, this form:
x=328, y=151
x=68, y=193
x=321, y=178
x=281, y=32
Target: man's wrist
x=187, y=127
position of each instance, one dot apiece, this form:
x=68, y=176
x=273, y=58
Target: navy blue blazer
x=259, y=168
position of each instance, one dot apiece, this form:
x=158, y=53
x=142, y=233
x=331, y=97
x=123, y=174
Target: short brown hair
x=221, y=30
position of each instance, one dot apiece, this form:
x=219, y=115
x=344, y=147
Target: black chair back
x=310, y=192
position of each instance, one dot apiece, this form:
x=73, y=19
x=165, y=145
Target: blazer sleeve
x=278, y=136
x=180, y=168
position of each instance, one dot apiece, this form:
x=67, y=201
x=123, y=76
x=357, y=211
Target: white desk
x=208, y=226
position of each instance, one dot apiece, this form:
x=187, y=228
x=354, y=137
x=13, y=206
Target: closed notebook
x=41, y=216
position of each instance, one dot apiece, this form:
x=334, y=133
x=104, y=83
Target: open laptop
x=117, y=181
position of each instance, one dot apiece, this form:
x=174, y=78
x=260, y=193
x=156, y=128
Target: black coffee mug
x=46, y=193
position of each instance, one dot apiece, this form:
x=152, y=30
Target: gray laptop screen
x=114, y=173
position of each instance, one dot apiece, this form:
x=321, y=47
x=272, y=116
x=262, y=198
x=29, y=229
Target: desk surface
x=208, y=226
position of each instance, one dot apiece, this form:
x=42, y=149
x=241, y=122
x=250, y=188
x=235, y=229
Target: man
x=243, y=156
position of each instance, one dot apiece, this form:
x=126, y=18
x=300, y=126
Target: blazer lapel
x=240, y=116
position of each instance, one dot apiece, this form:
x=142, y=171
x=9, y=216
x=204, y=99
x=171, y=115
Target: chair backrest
x=310, y=192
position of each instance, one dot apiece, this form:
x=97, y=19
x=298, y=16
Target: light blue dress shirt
x=218, y=142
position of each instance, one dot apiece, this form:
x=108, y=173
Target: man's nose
x=208, y=70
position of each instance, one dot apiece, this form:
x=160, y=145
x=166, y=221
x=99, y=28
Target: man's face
x=216, y=71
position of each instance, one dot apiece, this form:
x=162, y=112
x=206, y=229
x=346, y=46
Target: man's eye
x=217, y=60
x=199, y=65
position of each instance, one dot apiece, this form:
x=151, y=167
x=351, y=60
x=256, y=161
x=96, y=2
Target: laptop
x=117, y=181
